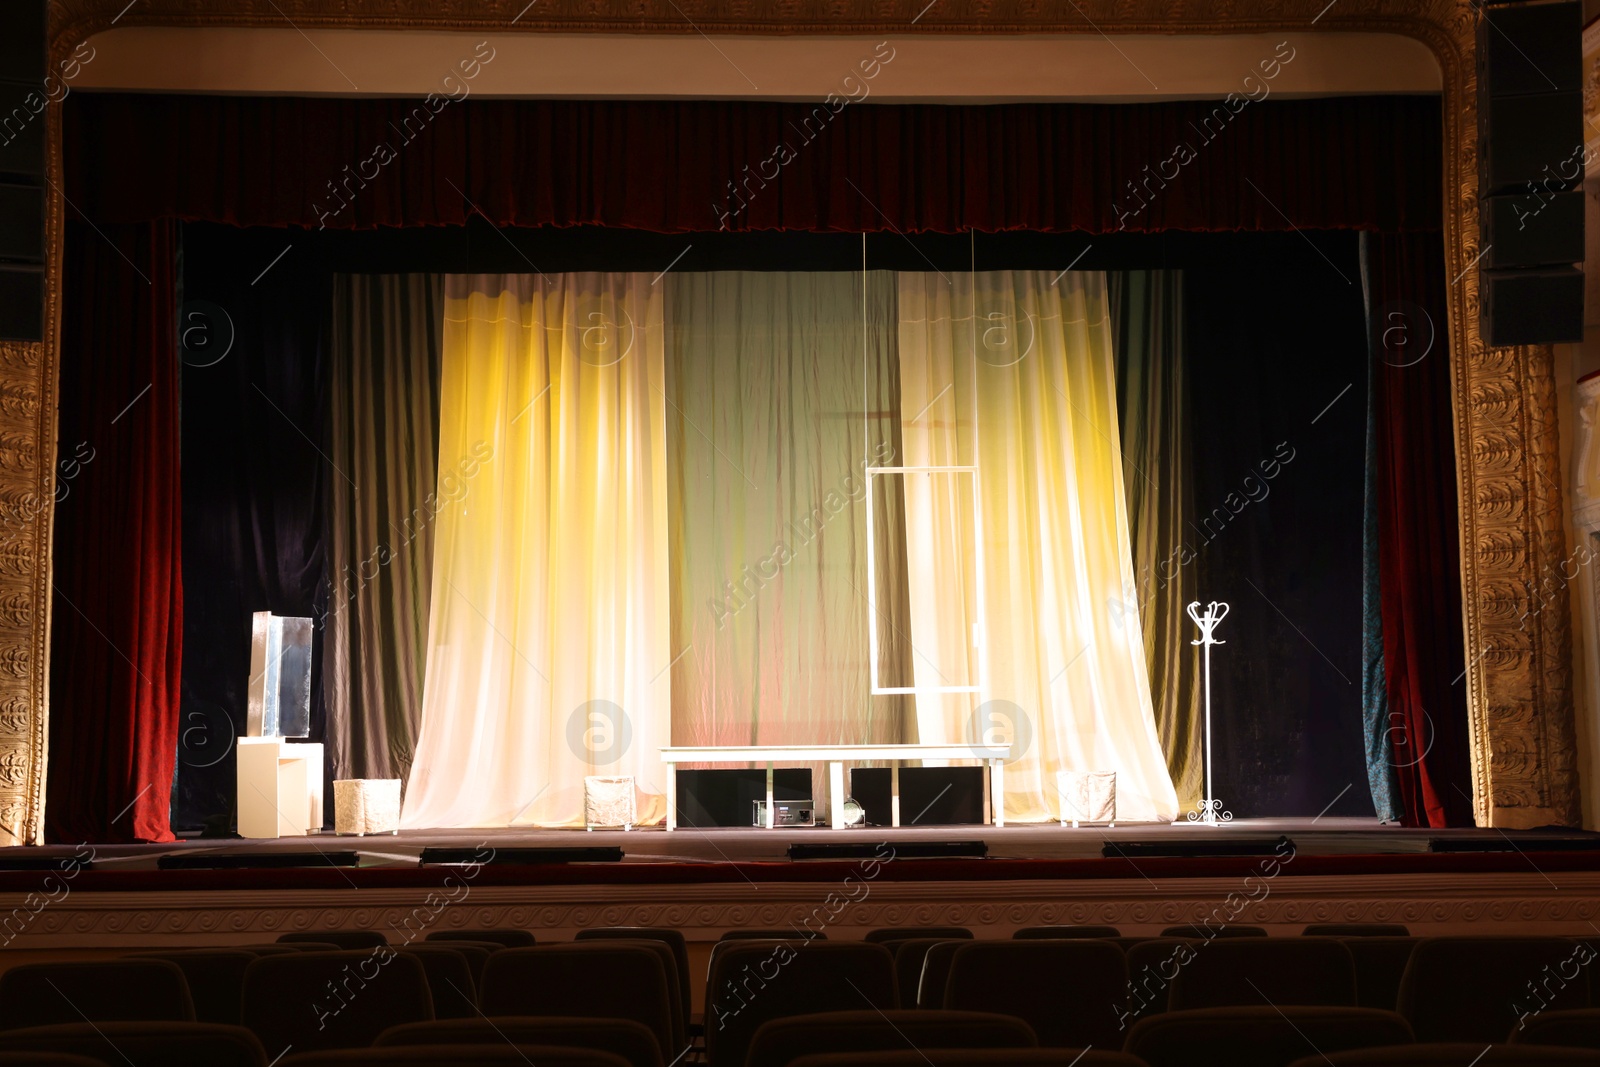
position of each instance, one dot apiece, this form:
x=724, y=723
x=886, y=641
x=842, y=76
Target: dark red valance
x=669, y=166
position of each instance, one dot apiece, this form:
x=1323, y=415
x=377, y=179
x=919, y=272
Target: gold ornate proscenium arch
x=1518, y=677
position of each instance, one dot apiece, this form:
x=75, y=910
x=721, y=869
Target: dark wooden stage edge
x=117, y=897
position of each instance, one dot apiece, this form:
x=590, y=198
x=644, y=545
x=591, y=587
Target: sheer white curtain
x=547, y=641
x=1012, y=371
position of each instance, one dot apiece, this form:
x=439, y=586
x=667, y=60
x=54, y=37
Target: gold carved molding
x=1518, y=630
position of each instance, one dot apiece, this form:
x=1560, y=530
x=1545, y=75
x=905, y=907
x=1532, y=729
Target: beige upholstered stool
x=366, y=805
x=1088, y=796
x=608, y=802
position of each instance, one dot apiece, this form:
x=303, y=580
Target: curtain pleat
x=1426, y=726
x=383, y=432
x=547, y=647
x=1369, y=162
x=117, y=605
x=777, y=402
x=1012, y=372
x=1158, y=476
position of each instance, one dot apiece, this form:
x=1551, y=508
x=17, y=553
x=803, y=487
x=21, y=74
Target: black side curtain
x=384, y=443
x=254, y=464
x=1276, y=373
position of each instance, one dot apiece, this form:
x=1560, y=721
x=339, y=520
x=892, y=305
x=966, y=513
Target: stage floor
x=652, y=845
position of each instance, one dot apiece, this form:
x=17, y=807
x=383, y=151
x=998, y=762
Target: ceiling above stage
x=927, y=69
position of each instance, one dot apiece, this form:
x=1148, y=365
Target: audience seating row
x=624, y=993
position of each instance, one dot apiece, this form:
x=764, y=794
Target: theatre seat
x=1380, y=965
x=673, y=939
x=1039, y=933
x=678, y=1013
x=907, y=933
x=1203, y=932
x=586, y=979
x=1067, y=990
x=623, y=1037
x=40, y=994
x=329, y=1000
x=1259, y=1037
x=978, y=1057
x=143, y=1044
x=1250, y=971
x=501, y=1055
x=1473, y=1054
x=501, y=937
x=756, y=981
x=1579, y=1028
x=1356, y=930
x=450, y=978
x=215, y=977
x=780, y=1041
x=908, y=959
x=1477, y=988
x=1153, y=965
x=936, y=973
x=345, y=939
x=476, y=953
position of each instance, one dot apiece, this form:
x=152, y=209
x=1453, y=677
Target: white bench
x=836, y=756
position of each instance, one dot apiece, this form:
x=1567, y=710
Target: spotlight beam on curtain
x=547, y=655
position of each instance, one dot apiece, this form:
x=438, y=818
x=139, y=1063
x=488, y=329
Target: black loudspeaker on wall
x=23, y=99
x=1530, y=171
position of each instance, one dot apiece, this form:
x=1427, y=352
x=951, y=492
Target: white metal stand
x=1211, y=811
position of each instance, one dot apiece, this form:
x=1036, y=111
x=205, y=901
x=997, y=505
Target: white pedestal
x=280, y=787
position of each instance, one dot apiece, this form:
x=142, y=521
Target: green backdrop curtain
x=383, y=441
x=1158, y=477
x=769, y=377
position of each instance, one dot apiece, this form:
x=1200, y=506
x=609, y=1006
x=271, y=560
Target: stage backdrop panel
x=547, y=649
x=768, y=377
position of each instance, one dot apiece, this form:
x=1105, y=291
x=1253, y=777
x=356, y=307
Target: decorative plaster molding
x=1518, y=678
x=703, y=912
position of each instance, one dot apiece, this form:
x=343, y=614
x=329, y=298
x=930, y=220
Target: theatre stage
x=707, y=882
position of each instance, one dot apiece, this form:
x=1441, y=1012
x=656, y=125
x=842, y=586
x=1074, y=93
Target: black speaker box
x=1527, y=48
x=1524, y=139
x=21, y=303
x=1532, y=307
x=727, y=796
x=1532, y=229
x=929, y=796
x=21, y=223
x=21, y=138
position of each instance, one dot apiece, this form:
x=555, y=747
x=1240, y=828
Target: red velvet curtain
x=1418, y=548
x=117, y=623
x=674, y=166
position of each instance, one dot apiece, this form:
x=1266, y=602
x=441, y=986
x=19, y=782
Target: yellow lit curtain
x=1012, y=371
x=547, y=650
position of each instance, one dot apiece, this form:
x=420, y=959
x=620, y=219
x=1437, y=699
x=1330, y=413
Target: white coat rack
x=1210, y=812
